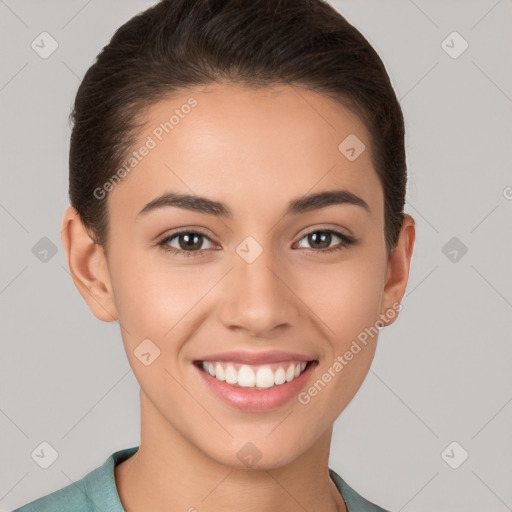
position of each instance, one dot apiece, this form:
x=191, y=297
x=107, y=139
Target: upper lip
x=244, y=357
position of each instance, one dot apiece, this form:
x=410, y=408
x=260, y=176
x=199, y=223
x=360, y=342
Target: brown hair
x=182, y=43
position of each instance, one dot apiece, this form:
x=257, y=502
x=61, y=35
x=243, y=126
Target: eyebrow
x=295, y=207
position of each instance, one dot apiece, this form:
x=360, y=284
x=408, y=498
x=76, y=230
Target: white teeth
x=248, y=377
x=290, y=373
x=231, y=375
x=265, y=378
x=219, y=372
x=279, y=376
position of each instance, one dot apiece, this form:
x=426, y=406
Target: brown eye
x=189, y=243
x=321, y=240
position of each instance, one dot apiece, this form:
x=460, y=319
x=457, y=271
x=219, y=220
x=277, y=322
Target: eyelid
x=344, y=238
x=324, y=227
x=165, y=238
x=188, y=229
x=185, y=229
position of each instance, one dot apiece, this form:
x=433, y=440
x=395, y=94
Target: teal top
x=97, y=492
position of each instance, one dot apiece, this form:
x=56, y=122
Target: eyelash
x=346, y=242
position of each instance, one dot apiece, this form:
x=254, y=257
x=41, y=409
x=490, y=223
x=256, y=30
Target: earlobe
x=88, y=266
x=398, y=267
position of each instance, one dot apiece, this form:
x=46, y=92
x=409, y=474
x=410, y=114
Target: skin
x=255, y=150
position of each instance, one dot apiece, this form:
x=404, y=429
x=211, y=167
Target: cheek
x=153, y=296
x=155, y=302
x=344, y=296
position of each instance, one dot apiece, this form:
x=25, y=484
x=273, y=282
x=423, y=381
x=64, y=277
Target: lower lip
x=249, y=399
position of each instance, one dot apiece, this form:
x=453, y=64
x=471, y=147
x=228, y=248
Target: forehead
x=249, y=147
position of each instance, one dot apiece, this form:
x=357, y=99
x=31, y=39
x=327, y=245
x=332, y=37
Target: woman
x=237, y=183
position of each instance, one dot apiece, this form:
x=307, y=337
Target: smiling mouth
x=259, y=377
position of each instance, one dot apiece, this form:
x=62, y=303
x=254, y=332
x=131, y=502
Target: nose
x=258, y=297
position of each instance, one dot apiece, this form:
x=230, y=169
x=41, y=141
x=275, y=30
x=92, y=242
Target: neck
x=169, y=472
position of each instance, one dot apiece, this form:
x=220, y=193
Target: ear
x=88, y=266
x=399, y=262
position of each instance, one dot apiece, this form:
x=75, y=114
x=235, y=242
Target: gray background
x=441, y=372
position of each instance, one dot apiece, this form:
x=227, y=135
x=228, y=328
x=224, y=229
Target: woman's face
x=253, y=275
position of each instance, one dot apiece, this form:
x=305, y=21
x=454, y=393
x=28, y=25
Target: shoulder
x=96, y=491
x=355, y=502
x=70, y=498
